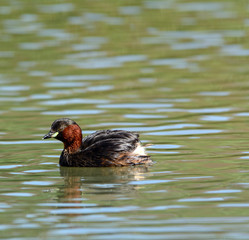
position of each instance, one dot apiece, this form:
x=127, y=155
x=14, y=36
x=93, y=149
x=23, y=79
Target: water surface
x=175, y=71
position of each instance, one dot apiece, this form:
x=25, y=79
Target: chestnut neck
x=72, y=138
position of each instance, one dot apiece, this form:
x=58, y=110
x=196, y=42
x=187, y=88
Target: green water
x=175, y=71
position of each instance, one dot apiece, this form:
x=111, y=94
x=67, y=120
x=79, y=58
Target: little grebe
x=104, y=148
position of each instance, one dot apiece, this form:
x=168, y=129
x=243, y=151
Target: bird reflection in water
x=85, y=187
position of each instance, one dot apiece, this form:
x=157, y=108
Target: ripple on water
x=67, y=204
x=160, y=128
x=210, y=110
x=215, y=93
x=92, y=210
x=81, y=77
x=232, y=205
x=214, y=199
x=107, y=62
x=72, y=112
x=186, y=229
x=116, y=124
x=225, y=191
x=80, y=55
x=130, y=10
x=56, y=8
x=155, y=4
x=100, y=88
x=166, y=207
x=234, y=50
x=36, y=73
x=28, y=109
x=10, y=166
x=143, y=116
x=178, y=63
x=215, y=118
x=242, y=114
x=40, y=96
x=201, y=6
x=25, y=142
x=74, y=101
x=18, y=194
x=38, y=171
x=13, y=99
x=85, y=46
x=38, y=183
x=186, y=132
x=164, y=146
x=14, y=88
x=135, y=105
x=65, y=84
x=56, y=33
x=146, y=182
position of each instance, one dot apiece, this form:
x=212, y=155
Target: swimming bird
x=103, y=148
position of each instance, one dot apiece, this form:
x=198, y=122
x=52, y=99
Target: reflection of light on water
x=25, y=142
x=144, y=116
x=40, y=96
x=51, y=156
x=72, y=112
x=81, y=77
x=209, y=110
x=130, y=10
x=65, y=84
x=197, y=39
x=13, y=99
x=159, y=128
x=24, y=109
x=100, y=88
x=234, y=205
x=74, y=101
x=135, y=105
x=234, y=50
x=158, y=4
x=18, y=194
x=242, y=114
x=6, y=54
x=225, y=191
x=88, y=19
x=10, y=166
x=186, y=132
x=84, y=54
x=38, y=183
x=59, y=34
x=166, y=207
x=214, y=199
x=14, y=88
x=214, y=93
x=103, y=62
x=201, y=6
x=91, y=210
x=67, y=204
x=145, y=182
x=147, y=80
x=38, y=73
x=115, y=124
x=177, y=63
x=85, y=46
x=20, y=26
x=215, y=118
x=56, y=8
x=164, y=146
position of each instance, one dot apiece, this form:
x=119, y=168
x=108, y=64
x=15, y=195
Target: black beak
x=48, y=135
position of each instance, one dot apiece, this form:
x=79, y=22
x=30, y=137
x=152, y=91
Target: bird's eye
x=60, y=129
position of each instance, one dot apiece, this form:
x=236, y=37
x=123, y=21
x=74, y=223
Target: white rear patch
x=139, y=150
